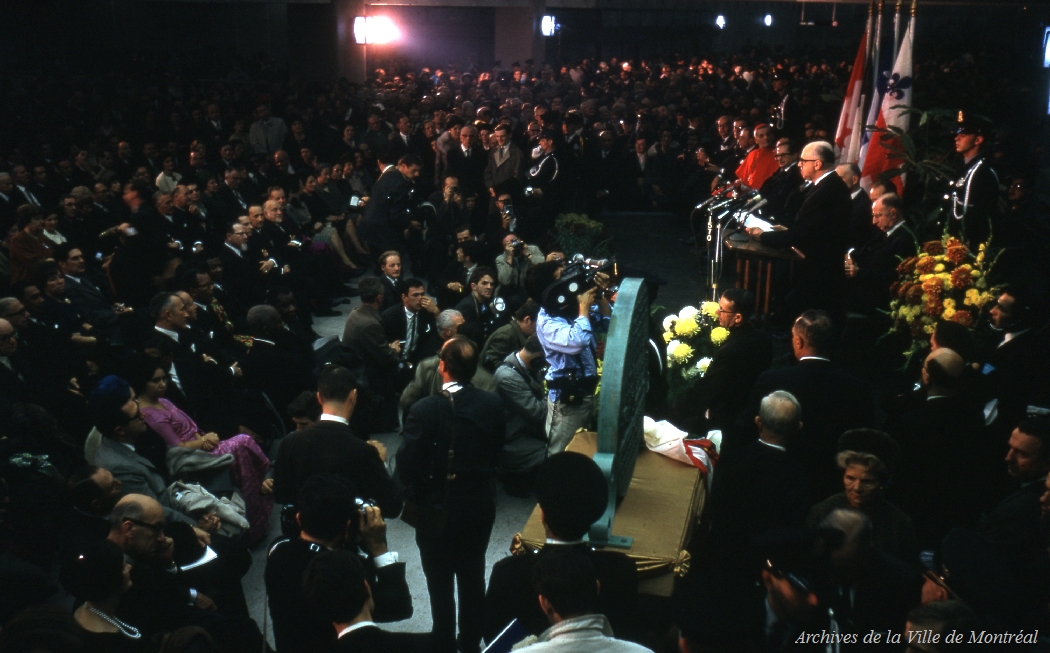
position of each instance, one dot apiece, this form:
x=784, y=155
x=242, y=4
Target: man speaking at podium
x=818, y=234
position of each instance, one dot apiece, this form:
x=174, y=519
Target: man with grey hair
x=818, y=234
x=468, y=162
x=758, y=487
x=875, y=590
x=872, y=267
x=860, y=227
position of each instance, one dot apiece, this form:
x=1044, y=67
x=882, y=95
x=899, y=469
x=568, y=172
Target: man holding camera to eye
x=567, y=336
x=331, y=517
x=511, y=266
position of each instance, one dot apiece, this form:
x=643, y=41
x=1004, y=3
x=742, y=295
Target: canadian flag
x=849, y=132
x=898, y=93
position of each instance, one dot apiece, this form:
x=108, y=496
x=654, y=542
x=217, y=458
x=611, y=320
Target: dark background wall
x=301, y=36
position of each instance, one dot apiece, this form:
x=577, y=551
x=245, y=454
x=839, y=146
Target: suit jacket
x=137, y=475
x=397, y=148
x=950, y=493
x=723, y=390
x=281, y=367
x=89, y=299
x=364, y=335
x=511, y=595
x=330, y=447
x=756, y=488
x=387, y=214
x=298, y=629
x=372, y=639
x=525, y=401
x=512, y=169
x=861, y=228
x=1014, y=529
x=877, y=263
x=471, y=172
x=391, y=292
x=425, y=340
x=819, y=232
x=506, y=340
x=241, y=276
x=832, y=403
x=427, y=381
x=423, y=455
x=1012, y=374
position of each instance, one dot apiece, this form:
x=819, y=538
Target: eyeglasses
x=808, y=160
x=880, y=214
x=724, y=312
x=156, y=528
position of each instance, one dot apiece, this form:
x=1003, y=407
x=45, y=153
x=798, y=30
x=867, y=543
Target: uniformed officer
x=973, y=197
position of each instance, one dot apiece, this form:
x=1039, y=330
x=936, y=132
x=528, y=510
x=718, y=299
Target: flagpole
x=897, y=27
x=877, y=48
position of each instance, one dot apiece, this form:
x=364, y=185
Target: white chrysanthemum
x=702, y=365
x=669, y=322
x=687, y=312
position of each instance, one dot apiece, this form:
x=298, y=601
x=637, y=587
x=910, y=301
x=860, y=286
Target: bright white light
x=720, y=21
x=548, y=25
x=768, y=20
x=375, y=30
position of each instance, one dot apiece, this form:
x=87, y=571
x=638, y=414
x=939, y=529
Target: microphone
x=758, y=206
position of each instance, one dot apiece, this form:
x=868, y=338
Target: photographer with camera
x=330, y=517
x=566, y=332
x=483, y=312
x=512, y=265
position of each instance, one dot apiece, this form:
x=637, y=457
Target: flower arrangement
x=692, y=336
x=946, y=281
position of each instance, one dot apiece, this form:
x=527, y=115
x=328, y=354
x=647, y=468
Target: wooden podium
x=659, y=513
x=763, y=257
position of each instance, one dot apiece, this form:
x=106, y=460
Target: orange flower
x=960, y=278
x=953, y=242
x=895, y=289
x=964, y=318
x=933, y=248
x=925, y=265
x=914, y=293
x=931, y=285
x=957, y=254
x=907, y=265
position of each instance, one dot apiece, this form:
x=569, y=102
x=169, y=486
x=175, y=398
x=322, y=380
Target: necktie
x=410, y=334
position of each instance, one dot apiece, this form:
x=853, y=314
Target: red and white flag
x=898, y=93
x=853, y=106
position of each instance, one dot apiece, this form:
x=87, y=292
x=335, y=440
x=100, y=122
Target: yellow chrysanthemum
x=939, y=267
x=972, y=297
x=668, y=336
x=948, y=313
x=928, y=329
x=949, y=303
x=686, y=327
x=682, y=353
x=710, y=309
x=984, y=298
x=719, y=335
x=976, y=274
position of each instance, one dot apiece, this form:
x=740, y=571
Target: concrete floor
x=647, y=243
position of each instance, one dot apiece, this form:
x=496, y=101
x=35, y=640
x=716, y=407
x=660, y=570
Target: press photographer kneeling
x=573, y=307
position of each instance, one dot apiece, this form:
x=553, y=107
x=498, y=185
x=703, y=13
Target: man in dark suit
x=243, y=275
x=278, y=363
x=330, y=447
x=782, y=183
x=818, y=234
x=403, y=141
x=467, y=161
x=832, y=403
x=375, y=357
x=447, y=461
x=604, y=173
x=230, y=198
x=758, y=487
x=412, y=322
x=337, y=590
x=331, y=518
x=390, y=276
x=788, y=111
x=1013, y=526
x=716, y=399
x=506, y=163
x=572, y=493
x=872, y=267
x=481, y=317
x=1012, y=371
x=388, y=218
x=947, y=428
x=88, y=298
x=861, y=229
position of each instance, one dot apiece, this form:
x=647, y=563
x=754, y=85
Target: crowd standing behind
x=169, y=241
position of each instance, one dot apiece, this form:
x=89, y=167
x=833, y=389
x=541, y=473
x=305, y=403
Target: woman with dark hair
x=178, y=429
x=28, y=246
x=99, y=576
x=168, y=177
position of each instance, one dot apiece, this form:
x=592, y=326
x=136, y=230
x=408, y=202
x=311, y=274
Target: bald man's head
x=942, y=371
x=136, y=525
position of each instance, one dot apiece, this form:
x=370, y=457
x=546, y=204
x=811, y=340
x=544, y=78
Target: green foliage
x=578, y=234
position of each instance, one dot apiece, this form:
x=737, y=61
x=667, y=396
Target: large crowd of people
x=169, y=242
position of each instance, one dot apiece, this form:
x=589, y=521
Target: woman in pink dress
x=178, y=429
